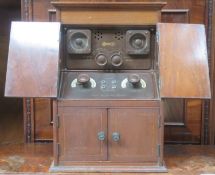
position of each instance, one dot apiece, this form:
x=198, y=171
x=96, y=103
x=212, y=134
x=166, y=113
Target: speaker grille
x=98, y=35
x=119, y=35
x=137, y=42
x=78, y=41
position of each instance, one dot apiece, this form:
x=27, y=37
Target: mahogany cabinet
x=186, y=121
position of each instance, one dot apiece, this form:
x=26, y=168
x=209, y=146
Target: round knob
x=134, y=79
x=116, y=60
x=83, y=79
x=101, y=60
x=115, y=136
x=101, y=136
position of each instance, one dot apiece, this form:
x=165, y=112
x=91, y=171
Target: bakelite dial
x=116, y=60
x=134, y=79
x=83, y=79
x=101, y=60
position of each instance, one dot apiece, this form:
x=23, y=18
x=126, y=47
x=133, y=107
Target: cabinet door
x=138, y=135
x=78, y=134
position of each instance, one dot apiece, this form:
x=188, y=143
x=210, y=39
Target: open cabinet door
x=33, y=60
x=183, y=62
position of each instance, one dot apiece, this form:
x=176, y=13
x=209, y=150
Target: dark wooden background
x=11, y=118
x=187, y=121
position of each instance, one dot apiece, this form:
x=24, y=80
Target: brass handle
x=101, y=136
x=115, y=136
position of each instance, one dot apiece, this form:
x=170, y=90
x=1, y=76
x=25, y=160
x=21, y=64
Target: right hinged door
x=138, y=135
x=183, y=62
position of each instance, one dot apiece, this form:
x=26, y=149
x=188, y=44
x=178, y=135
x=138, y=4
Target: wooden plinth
x=111, y=169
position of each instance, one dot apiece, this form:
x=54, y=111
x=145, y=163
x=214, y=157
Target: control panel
x=96, y=85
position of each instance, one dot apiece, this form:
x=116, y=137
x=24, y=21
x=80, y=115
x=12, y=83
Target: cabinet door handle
x=115, y=136
x=101, y=136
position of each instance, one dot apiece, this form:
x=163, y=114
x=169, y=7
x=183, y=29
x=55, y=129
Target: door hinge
x=159, y=84
x=58, y=121
x=58, y=149
x=159, y=121
x=159, y=150
x=157, y=37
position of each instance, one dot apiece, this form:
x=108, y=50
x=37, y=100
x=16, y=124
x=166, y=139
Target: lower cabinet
x=111, y=135
x=78, y=134
x=138, y=131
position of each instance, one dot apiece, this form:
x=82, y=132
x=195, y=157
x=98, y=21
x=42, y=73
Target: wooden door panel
x=42, y=119
x=36, y=46
x=174, y=112
x=183, y=67
x=78, y=130
x=183, y=118
x=138, y=130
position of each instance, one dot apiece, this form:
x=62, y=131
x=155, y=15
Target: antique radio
x=107, y=79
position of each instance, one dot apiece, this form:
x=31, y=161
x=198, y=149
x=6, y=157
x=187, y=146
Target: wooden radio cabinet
x=108, y=76
x=111, y=132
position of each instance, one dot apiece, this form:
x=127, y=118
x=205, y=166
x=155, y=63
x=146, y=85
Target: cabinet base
x=113, y=168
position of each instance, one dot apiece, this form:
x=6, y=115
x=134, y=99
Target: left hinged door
x=33, y=59
x=82, y=134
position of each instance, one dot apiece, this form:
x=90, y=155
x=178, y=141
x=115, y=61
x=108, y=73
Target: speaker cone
x=79, y=41
x=137, y=42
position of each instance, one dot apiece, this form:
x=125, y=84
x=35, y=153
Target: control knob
x=101, y=60
x=116, y=60
x=83, y=79
x=134, y=79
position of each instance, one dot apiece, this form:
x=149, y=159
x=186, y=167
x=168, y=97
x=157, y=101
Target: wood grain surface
x=32, y=69
x=78, y=132
x=108, y=13
x=11, y=120
x=139, y=142
x=184, y=71
x=37, y=158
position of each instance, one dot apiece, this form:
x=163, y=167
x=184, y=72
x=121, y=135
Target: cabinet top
x=108, y=13
x=84, y=4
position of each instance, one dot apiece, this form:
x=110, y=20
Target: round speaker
x=138, y=41
x=79, y=42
